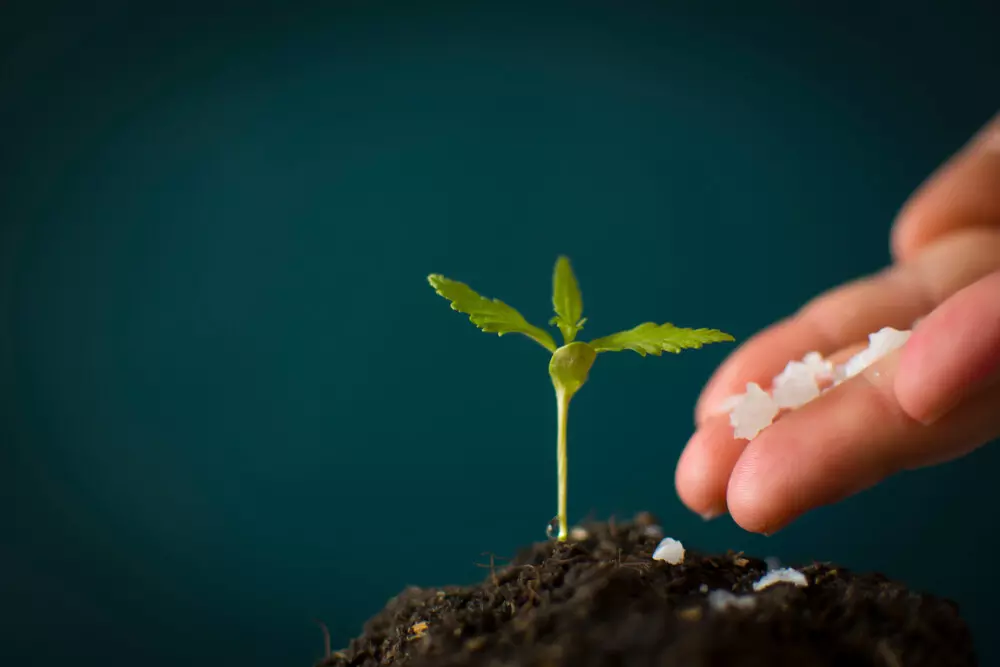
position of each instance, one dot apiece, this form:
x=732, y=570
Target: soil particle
x=603, y=601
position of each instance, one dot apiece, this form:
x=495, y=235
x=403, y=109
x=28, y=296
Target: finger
x=953, y=353
x=846, y=315
x=845, y=441
x=964, y=192
x=702, y=472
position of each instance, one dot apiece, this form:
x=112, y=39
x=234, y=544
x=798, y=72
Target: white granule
x=880, y=344
x=669, y=550
x=653, y=531
x=795, y=386
x=800, y=382
x=820, y=368
x=721, y=599
x=754, y=412
x=785, y=575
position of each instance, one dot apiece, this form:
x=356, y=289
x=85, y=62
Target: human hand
x=935, y=399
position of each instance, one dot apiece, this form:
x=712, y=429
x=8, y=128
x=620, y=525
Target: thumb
x=953, y=354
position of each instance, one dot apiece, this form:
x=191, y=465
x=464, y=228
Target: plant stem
x=562, y=401
x=568, y=368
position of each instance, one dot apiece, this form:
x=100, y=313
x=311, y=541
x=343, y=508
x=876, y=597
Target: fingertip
x=692, y=478
x=903, y=237
x=961, y=193
x=745, y=497
x=704, y=466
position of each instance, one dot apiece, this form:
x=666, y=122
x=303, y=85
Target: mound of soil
x=603, y=600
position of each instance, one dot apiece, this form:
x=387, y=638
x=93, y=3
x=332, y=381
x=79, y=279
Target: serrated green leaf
x=652, y=338
x=490, y=315
x=566, y=300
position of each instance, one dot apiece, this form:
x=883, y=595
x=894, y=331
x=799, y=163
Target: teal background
x=229, y=402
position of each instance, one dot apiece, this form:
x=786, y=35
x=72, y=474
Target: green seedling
x=570, y=364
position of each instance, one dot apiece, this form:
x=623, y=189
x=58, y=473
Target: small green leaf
x=652, y=338
x=490, y=315
x=566, y=300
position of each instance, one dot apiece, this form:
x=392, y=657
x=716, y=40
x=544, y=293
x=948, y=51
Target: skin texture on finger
x=952, y=353
x=846, y=315
x=847, y=440
x=964, y=192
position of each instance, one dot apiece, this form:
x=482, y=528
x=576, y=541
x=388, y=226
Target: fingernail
x=948, y=404
x=943, y=408
x=711, y=514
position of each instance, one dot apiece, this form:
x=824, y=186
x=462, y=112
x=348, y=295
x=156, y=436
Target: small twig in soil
x=492, y=566
x=533, y=596
x=632, y=561
x=567, y=561
x=327, y=649
x=531, y=583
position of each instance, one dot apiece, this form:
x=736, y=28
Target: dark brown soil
x=604, y=601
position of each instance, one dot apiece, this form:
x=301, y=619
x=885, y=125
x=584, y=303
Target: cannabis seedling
x=570, y=364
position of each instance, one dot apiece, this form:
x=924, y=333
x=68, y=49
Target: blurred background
x=230, y=403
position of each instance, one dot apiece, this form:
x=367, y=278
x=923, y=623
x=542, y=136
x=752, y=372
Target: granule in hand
x=753, y=413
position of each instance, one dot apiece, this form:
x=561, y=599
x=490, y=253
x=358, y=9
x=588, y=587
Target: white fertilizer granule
x=785, y=575
x=820, y=368
x=795, y=386
x=721, y=599
x=880, y=344
x=669, y=550
x=755, y=412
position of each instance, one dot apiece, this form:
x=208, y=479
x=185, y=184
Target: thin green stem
x=562, y=401
x=568, y=368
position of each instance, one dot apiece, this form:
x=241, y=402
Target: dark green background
x=229, y=402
